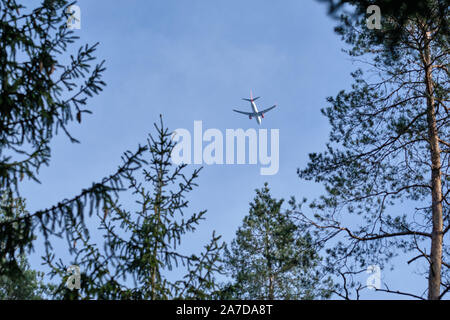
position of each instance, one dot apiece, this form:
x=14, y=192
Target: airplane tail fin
x=251, y=99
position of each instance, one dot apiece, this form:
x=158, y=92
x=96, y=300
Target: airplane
x=257, y=114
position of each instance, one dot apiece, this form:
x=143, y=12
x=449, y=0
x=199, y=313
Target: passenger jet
x=257, y=114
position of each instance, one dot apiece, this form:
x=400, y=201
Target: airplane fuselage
x=255, y=110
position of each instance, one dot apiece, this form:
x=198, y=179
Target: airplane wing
x=246, y=113
x=266, y=110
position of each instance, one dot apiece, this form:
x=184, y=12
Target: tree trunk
x=155, y=249
x=269, y=262
x=434, y=279
x=271, y=289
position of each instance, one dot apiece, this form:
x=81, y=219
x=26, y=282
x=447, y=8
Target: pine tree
x=141, y=245
x=272, y=257
x=386, y=165
x=403, y=11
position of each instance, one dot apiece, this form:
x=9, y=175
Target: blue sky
x=195, y=60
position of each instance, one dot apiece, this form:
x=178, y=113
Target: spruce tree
x=273, y=257
x=141, y=247
x=39, y=97
x=29, y=284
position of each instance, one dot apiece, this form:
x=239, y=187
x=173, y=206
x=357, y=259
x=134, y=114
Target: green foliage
x=141, y=246
x=28, y=285
x=403, y=11
x=379, y=153
x=272, y=257
x=39, y=97
x=25, y=283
